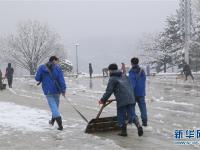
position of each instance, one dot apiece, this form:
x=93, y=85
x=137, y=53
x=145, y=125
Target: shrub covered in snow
x=66, y=65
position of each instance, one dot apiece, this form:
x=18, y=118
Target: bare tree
x=32, y=45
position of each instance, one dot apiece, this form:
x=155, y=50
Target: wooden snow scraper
x=102, y=124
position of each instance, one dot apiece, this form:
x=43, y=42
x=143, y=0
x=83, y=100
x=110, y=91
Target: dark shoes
x=59, y=122
x=139, y=127
x=123, y=134
x=140, y=131
x=123, y=131
x=144, y=124
x=51, y=122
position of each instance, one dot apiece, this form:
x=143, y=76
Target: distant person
x=123, y=69
x=90, y=70
x=105, y=72
x=138, y=80
x=187, y=71
x=1, y=78
x=121, y=87
x=148, y=70
x=9, y=75
x=53, y=84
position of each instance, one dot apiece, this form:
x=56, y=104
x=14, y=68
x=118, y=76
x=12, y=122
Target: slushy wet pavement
x=25, y=126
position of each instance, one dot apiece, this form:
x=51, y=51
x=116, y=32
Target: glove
x=101, y=102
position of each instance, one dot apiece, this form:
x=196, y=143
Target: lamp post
x=77, y=71
x=186, y=25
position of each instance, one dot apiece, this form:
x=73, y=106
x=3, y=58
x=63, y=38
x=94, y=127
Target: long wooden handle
x=104, y=105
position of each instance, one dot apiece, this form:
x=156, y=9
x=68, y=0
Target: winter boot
x=59, y=122
x=123, y=131
x=51, y=122
x=140, y=131
x=139, y=127
x=144, y=124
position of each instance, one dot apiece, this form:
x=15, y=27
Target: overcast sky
x=107, y=31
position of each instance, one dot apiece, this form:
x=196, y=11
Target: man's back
x=122, y=89
x=49, y=79
x=138, y=80
x=9, y=72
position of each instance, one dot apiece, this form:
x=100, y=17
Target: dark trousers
x=189, y=74
x=140, y=100
x=10, y=82
x=90, y=75
x=126, y=113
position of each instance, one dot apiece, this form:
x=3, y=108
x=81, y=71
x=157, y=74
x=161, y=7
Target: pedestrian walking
x=148, y=70
x=121, y=87
x=1, y=78
x=123, y=68
x=187, y=71
x=9, y=75
x=90, y=70
x=105, y=72
x=138, y=80
x=53, y=85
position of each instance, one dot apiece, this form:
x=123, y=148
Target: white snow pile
x=23, y=118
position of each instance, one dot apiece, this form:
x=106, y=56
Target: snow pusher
x=103, y=124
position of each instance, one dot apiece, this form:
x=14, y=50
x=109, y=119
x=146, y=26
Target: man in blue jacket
x=138, y=80
x=120, y=86
x=53, y=84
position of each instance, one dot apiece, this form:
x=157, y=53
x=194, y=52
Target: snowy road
x=24, y=117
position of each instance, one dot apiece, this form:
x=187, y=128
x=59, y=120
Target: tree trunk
x=32, y=72
x=32, y=69
x=165, y=67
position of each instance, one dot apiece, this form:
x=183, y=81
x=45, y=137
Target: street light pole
x=77, y=71
x=186, y=25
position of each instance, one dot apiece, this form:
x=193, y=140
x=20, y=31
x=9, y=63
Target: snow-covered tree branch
x=164, y=50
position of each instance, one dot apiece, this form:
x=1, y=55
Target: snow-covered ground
x=24, y=116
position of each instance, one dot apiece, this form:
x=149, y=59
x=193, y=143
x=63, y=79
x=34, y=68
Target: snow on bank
x=26, y=119
x=23, y=118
